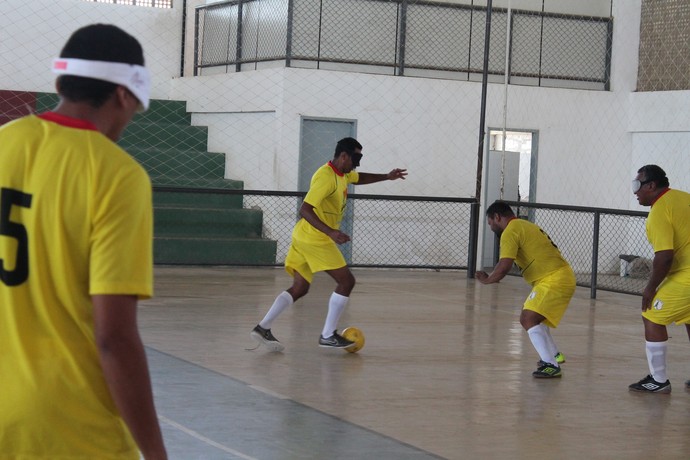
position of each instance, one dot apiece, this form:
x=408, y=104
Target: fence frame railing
x=397, y=62
x=474, y=214
x=353, y=197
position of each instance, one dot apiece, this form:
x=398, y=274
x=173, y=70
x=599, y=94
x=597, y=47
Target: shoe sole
x=272, y=346
x=541, y=376
x=663, y=391
x=323, y=345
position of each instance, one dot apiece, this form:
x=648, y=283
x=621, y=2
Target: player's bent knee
x=529, y=319
x=297, y=292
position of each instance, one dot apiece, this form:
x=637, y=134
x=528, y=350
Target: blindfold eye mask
x=636, y=184
x=356, y=157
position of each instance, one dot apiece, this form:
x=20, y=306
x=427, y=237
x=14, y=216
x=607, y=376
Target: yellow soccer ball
x=356, y=336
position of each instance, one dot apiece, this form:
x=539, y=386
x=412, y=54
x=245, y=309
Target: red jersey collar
x=660, y=195
x=335, y=169
x=70, y=122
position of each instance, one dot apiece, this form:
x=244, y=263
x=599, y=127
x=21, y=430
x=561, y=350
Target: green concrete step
x=214, y=251
x=196, y=182
x=188, y=163
x=163, y=111
x=184, y=199
x=207, y=222
x=46, y=101
x=190, y=228
x=164, y=136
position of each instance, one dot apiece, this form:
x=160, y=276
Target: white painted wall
x=33, y=32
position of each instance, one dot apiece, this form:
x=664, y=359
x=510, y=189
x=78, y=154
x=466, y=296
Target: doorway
x=509, y=174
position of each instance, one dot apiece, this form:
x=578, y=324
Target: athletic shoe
x=264, y=336
x=547, y=371
x=649, y=385
x=335, y=341
x=687, y=384
x=560, y=357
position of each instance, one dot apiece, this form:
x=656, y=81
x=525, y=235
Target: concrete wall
x=590, y=142
x=427, y=125
x=32, y=34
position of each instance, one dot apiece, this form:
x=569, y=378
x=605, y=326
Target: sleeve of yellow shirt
x=509, y=243
x=322, y=185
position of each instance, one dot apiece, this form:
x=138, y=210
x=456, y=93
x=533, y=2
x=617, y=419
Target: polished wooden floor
x=445, y=373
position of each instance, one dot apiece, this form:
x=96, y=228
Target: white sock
x=545, y=347
x=283, y=301
x=552, y=343
x=336, y=307
x=656, y=358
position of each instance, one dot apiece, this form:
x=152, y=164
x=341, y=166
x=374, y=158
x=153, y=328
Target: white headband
x=134, y=77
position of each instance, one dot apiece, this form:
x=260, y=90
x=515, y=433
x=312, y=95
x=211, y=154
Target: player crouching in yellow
x=544, y=268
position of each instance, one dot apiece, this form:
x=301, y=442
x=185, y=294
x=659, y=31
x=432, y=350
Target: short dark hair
x=347, y=144
x=500, y=208
x=655, y=174
x=97, y=42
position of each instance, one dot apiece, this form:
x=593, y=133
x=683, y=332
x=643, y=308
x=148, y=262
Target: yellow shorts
x=308, y=258
x=671, y=304
x=551, y=295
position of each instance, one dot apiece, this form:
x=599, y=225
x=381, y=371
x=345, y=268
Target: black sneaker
x=547, y=371
x=649, y=385
x=687, y=384
x=335, y=341
x=264, y=336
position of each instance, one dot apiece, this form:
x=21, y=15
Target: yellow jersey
x=328, y=195
x=532, y=250
x=75, y=220
x=668, y=227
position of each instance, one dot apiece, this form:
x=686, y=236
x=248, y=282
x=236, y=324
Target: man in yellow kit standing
x=544, y=268
x=75, y=256
x=666, y=298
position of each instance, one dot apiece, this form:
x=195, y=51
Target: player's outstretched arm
x=369, y=178
x=126, y=371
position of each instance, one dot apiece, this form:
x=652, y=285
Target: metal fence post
x=197, y=32
x=609, y=47
x=473, y=240
x=238, y=47
x=595, y=256
x=403, y=34
x=288, y=38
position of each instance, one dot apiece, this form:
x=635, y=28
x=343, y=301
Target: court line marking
x=204, y=439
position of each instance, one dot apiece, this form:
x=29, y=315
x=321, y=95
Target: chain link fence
x=405, y=38
x=386, y=231
x=607, y=248
x=153, y=3
x=253, y=95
